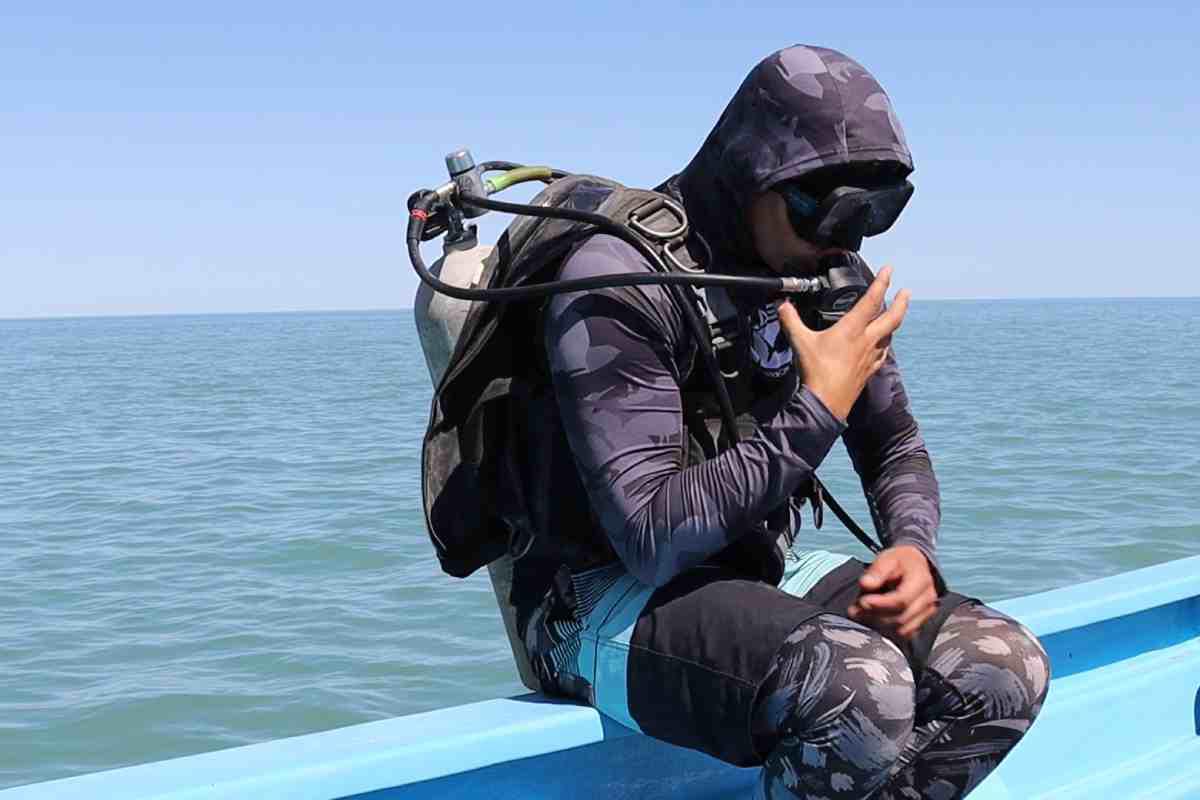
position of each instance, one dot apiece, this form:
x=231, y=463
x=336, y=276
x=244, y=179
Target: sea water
x=212, y=531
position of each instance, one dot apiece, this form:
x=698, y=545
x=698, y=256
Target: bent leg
x=986, y=681
x=834, y=712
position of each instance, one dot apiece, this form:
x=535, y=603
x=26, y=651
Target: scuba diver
x=643, y=452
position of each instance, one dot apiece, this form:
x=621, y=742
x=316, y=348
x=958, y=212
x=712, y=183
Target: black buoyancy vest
x=497, y=472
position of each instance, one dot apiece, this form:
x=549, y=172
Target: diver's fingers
x=793, y=325
x=889, y=321
x=869, y=304
x=911, y=627
x=882, y=348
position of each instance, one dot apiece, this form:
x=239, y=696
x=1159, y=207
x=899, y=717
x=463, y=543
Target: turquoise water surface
x=212, y=530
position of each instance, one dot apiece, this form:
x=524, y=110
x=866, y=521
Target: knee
x=870, y=694
x=996, y=663
x=881, y=686
x=851, y=696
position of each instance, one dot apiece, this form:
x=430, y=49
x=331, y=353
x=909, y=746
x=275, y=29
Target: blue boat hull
x=1122, y=721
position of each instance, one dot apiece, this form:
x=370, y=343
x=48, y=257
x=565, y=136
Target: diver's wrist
x=830, y=400
x=823, y=414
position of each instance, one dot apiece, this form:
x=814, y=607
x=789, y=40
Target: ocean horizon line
x=397, y=309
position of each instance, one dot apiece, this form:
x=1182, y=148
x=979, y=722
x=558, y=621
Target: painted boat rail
x=1125, y=649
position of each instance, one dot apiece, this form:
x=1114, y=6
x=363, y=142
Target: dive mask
x=846, y=215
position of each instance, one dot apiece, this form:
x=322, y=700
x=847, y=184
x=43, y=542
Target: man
x=842, y=680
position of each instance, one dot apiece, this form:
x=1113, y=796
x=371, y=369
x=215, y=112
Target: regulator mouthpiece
x=842, y=280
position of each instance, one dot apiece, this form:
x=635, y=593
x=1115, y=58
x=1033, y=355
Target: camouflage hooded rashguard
x=670, y=642
x=800, y=110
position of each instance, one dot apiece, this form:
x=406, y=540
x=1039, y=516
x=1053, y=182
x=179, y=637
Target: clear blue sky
x=243, y=156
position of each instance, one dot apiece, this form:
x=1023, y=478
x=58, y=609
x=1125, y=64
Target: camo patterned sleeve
x=889, y=455
x=616, y=358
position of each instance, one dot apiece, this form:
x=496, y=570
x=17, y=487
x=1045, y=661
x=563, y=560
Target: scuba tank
x=440, y=320
x=440, y=317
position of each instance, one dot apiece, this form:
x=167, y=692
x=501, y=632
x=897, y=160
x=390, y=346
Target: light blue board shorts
x=602, y=658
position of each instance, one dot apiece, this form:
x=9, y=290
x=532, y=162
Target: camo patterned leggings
x=842, y=717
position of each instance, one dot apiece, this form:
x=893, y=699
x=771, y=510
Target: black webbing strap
x=821, y=493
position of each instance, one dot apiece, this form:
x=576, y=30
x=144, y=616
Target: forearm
x=663, y=519
x=906, y=500
x=891, y=459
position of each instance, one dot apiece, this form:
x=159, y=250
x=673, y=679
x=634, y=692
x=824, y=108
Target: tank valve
x=468, y=179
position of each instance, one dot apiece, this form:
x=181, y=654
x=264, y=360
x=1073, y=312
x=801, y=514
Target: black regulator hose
x=672, y=280
x=423, y=208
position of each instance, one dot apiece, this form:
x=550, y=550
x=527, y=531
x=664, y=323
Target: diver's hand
x=836, y=363
x=897, y=592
